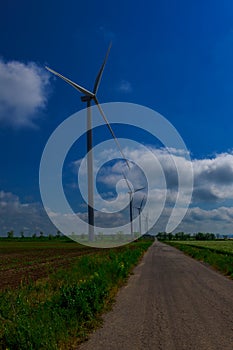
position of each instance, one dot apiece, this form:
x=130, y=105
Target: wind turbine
x=139, y=215
x=88, y=97
x=147, y=223
x=131, y=192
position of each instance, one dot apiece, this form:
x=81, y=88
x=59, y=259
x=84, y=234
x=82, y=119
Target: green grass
x=225, y=246
x=58, y=312
x=218, y=254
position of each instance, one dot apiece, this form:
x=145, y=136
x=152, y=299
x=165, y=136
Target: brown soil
x=22, y=266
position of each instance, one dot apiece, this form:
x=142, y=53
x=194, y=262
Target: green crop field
x=225, y=246
x=53, y=293
x=218, y=254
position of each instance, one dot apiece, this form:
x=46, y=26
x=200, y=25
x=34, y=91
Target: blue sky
x=174, y=57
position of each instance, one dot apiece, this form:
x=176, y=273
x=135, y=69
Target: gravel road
x=171, y=302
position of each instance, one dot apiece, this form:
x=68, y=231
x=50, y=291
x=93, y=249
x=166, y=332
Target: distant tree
x=34, y=235
x=41, y=234
x=180, y=236
x=170, y=236
x=10, y=234
x=200, y=236
x=22, y=234
x=210, y=236
x=50, y=236
x=186, y=236
x=58, y=235
x=162, y=236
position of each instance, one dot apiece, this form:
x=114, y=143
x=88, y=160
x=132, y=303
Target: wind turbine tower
x=139, y=216
x=87, y=97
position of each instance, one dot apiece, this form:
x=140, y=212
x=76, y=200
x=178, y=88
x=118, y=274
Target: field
x=225, y=246
x=53, y=292
x=22, y=261
x=218, y=254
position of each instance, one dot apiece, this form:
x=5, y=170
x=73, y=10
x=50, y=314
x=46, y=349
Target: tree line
x=41, y=235
x=181, y=236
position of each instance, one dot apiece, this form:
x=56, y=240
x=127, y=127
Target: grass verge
x=220, y=260
x=59, y=311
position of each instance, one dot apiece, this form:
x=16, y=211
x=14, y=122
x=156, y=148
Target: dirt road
x=172, y=302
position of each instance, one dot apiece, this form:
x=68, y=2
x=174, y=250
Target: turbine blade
x=139, y=189
x=111, y=131
x=142, y=202
x=76, y=86
x=99, y=76
x=127, y=182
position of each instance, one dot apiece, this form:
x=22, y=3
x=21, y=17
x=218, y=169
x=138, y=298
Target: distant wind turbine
x=139, y=215
x=146, y=217
x=131, y=192
x=88, y=97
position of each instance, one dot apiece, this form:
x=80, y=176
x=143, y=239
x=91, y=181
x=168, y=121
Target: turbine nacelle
x=86, y=98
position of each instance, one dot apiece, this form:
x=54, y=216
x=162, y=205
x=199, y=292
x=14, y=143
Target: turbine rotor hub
x=86, y=98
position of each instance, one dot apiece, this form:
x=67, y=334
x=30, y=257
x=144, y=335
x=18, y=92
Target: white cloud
x=23, y=95
x=213, y=185
x=152, y=164
x=218, y=220
x=17, y=216
x=213, y=178
x=125, y=86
